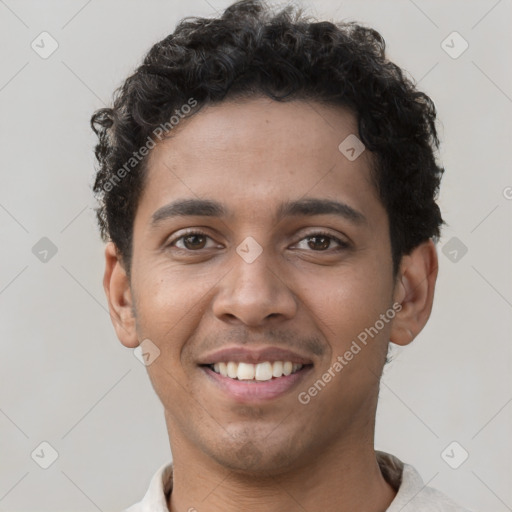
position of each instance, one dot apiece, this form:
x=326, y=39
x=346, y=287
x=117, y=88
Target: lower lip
x=254, y=390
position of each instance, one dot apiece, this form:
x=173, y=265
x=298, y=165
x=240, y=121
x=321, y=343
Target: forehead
x=255, y=154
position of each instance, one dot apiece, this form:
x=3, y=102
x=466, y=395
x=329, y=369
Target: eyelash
x=342, y=244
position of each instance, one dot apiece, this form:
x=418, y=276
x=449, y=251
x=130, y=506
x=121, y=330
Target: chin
x=255, y=458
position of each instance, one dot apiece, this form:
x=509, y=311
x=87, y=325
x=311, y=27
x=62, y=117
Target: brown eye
x=196, y=241
x=191, y=241
x=320, y=243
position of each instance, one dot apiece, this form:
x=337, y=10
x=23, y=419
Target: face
x=288, y=261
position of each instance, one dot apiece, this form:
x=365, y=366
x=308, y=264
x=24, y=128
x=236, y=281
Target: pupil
x=324, y=245
x=189, y=237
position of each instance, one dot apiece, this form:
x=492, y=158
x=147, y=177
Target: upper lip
x=253, y=355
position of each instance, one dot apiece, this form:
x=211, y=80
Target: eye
x=195, y=240
x=321, y=241
x=192, y=241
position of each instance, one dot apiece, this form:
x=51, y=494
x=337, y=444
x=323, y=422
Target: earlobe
x=117, y=289
x=414, y=290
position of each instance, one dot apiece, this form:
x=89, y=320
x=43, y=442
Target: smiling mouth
x=264, y=371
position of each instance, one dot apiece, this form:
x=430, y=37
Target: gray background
x=64, y=377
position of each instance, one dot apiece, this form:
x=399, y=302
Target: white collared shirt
x=412, y=494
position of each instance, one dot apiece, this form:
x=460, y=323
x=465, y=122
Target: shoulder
x=412, y=493
x=155, y=499
x=427, y=498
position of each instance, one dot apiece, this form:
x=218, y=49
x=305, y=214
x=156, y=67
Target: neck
x=347, y=478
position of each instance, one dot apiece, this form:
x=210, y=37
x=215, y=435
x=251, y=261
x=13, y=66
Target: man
x=267, y=189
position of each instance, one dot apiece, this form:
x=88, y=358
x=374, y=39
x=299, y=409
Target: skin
x=299, y=293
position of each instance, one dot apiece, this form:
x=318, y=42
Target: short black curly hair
x=253, y=50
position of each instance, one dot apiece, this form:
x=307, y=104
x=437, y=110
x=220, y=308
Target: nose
x=254, y=293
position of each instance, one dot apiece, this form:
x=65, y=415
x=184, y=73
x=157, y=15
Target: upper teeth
x=260, y=371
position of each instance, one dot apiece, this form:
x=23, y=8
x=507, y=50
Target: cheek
x=170, y=305
x=349, y=302
x=169, y=296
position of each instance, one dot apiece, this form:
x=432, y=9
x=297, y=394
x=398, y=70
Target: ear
x=117, y=288
x=414, y=290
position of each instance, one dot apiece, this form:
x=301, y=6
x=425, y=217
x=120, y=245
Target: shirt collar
x=411, y=491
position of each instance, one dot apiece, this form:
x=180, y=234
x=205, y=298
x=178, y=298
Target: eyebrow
x=301, y=207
